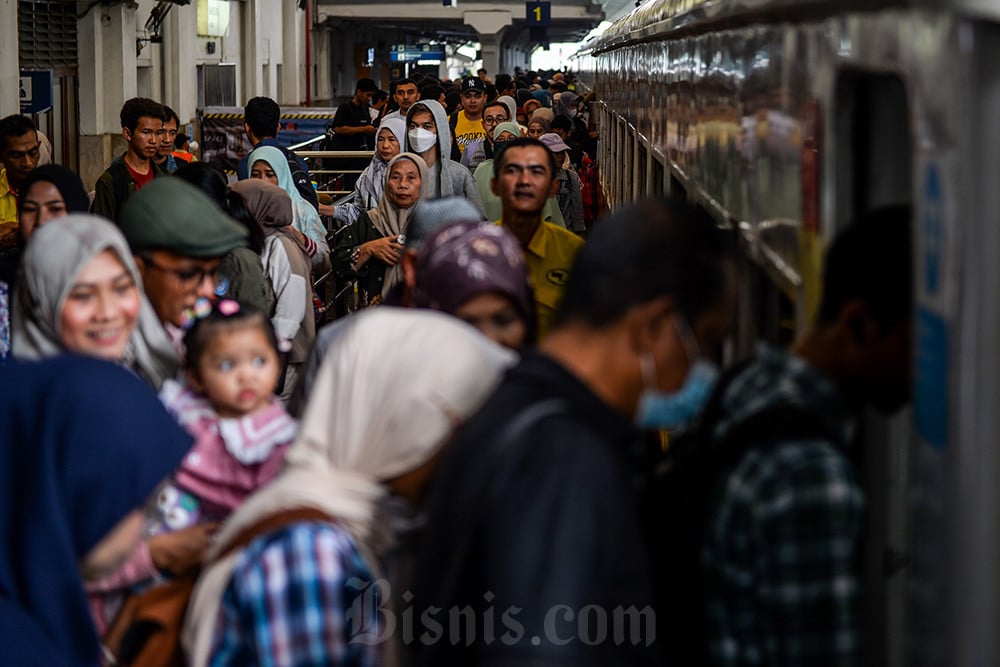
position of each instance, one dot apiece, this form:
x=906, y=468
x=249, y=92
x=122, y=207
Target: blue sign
x=36, y=91
x=538, y=14
x=932, y=385
x=932, y=228
x=402, y=53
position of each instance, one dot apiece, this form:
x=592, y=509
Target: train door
x=873, y=168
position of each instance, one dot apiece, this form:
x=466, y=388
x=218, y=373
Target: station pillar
x=489, y=25
x=10, y=72
x=107, y=75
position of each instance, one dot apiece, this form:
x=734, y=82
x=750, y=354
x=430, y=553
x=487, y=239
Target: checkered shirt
x=297, y=597
x=782, y=550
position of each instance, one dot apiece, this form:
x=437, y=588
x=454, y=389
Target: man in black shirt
x=353, y=130
x=533, y=530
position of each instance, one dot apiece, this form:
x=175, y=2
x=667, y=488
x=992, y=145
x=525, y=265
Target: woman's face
x=263, y=171
x=42, y=202
x=404, y=184
x=387, y=145
x=496, y=317
x=535, y=129
x=100, y=309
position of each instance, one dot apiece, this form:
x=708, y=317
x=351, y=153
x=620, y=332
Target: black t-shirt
x=352, y=115
x=560, y=535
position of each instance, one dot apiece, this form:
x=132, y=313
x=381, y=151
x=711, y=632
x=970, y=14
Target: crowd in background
x=459, y=468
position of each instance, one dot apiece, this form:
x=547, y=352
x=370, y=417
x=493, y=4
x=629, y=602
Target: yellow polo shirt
x=550, y=257
x=8, y=202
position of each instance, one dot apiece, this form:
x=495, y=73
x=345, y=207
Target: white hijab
x=392, y=388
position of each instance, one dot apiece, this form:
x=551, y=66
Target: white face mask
x=422, y=140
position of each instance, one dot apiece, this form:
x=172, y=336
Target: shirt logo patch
x=558, y=277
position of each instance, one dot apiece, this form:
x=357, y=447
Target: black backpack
x=676, y=503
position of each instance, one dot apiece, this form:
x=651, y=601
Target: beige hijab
x=56, y=254
x=392, y=220
x=362, y=427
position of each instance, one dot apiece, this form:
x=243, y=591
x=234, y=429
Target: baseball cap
x=553, y=142
x=474, y=84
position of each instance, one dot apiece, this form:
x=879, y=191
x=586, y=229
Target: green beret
x=170, y=214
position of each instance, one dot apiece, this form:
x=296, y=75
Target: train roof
x=658, y=18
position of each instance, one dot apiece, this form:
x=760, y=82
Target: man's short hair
x=497, y=103
x=431, y=91
x=562, y=123
x=170, y=115
x=656, y=248
x=262, y=115
x=379, y=96
x=14, y=126
x=503, y=81
x=523, y=142
x=872, y=261
x=366, y=85
x=394, y=86
x=139, y=107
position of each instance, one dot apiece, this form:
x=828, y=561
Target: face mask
x=422, y=140
x=659, y=410
x=571, y=113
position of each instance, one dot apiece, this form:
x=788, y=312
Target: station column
x=9, y=71
x=107, y=75
x=489, y=25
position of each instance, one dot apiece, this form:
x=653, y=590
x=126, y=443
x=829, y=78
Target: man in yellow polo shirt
x=19, y=150
x=524, y=177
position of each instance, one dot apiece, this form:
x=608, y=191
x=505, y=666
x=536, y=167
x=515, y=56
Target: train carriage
x=788, y=119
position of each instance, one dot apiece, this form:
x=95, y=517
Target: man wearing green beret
x=178, y=236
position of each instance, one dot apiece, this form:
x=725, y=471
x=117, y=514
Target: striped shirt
x=299, y=596
x=783, y=545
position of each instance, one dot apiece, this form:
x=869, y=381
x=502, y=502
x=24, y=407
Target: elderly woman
x=81, y=293
x=48, y=192
x=362, y=461
x=370, y=250
x=476, y=272
x=389, y=141
x=270, y=164
x=84, y=443
x=286, y=265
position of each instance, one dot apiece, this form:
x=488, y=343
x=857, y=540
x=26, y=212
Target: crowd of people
x=467, y=469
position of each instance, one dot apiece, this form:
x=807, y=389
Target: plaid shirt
x=782, y=552
x=295, y=598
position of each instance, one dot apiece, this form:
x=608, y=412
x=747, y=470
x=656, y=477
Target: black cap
x=473, y=83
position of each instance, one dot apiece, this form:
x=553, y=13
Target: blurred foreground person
x=476, y=272
x=85, y=443
x=303, y=592
x=534, y=517
x=783, y=549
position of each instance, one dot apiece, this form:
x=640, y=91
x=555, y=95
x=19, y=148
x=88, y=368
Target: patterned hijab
x=56, y=254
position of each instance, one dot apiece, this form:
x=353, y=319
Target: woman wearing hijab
x=366, y=451
x=84, y=444
x=286, y=265
x=270, y=164
x=369, y=251
x=389, y=142
x=476, y=272
x=48, y=192
x=81, y=292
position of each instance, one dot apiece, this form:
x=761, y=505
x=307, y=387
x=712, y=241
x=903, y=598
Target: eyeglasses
x=494, y=120
x=188, y=277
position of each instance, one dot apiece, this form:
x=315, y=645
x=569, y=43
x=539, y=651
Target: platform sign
x=538, y=14
x=36, y=91
x=402, y=53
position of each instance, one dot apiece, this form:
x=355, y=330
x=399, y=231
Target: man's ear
x=646, y=322
x=554, y=190
x=494, y=187
x=127, y=133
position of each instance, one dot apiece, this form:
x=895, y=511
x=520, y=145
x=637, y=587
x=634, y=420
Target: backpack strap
x=270, y=524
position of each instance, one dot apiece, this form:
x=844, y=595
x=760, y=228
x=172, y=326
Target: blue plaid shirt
x=299, y=596
x=782, y=552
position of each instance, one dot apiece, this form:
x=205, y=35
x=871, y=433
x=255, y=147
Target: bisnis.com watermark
x=374, y=620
